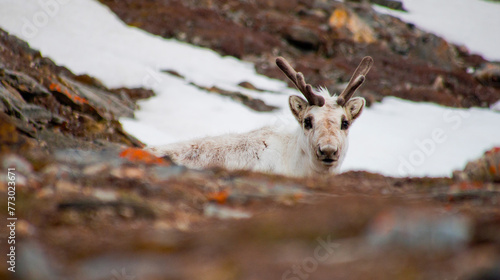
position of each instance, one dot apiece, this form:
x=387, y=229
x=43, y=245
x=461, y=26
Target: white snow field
x=395, y=137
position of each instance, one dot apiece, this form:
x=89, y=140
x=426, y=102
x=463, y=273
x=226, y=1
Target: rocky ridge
x=45, y=107
x=325, y=39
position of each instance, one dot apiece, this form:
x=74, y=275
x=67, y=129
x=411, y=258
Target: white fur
x=273, y=150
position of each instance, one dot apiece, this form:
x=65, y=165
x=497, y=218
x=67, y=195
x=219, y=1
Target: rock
x=20, y=164
x=439, y=84
x=14, y=104
x=471, y=190
x=252, y=103
x=28, y=86
x=391, y=4
x=489, y=75
x=223, y=212
x=484, y=169
x=50, y=105
x=25, y=229
x=174, y=73
x=142, y=156
x=96, y=169
x=496, y=106
x=83, y=157
x=303, y=37
x=105, y=195
x=163, y=173
x=97, y=98
x=127, y=173
x=342, y=18
x=420, y=229
x=33, y=263
x=63, y=186
x=491, y=273
x=248, y=85
x=74, y=155
x=89, y=80
x=134, y=94
x=130, y=266
x=110, y=209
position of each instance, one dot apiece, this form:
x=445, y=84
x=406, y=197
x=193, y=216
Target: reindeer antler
x=356, y=80
x=300, y=83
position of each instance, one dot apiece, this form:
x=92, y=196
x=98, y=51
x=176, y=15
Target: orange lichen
x=141, y=156
x=298, y=196
x=338, y=18
x=361, y=31
x=493, y=170
x=219, y=197
x=55, y=87
x=493, y=151
x=467, y=186
x=75, y=98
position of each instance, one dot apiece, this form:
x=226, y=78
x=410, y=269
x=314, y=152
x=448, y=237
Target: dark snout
x=327, y=154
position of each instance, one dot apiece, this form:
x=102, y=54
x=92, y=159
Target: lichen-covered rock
x=484, y=169
x=48, y=104
x=344, y=18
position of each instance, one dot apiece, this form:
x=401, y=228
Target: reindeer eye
x=344, y=125
x=308, y=123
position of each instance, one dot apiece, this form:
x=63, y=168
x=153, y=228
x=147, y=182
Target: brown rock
x=342, y=18
x=489, y=75
x=303, y=37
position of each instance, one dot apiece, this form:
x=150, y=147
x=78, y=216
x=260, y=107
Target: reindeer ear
x=355, y=106
x=297, y=106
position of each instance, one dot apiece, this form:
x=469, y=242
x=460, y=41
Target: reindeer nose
x=327, y=152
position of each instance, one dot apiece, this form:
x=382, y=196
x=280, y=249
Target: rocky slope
x=325, y=39
x=44, y=106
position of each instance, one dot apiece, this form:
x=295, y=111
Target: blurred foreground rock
x=121, y=212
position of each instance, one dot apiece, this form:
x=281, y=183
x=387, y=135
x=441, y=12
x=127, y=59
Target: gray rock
x=129, y=267
x=28, y=85
x=19, y=163
x=303, y=37
x=223, y=212
x=33, y=263
x=391, y=4
x=418, y=229
x=105, y=103
x=13, y=103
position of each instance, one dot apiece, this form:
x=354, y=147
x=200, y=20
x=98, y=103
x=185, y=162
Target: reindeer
x=317, y=146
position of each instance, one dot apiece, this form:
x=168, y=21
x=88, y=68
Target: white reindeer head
x=325, y=119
